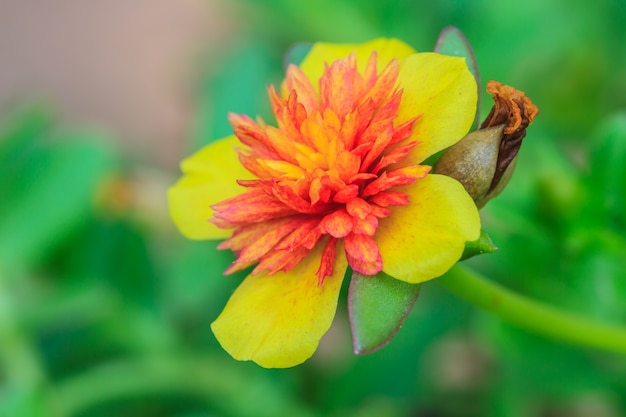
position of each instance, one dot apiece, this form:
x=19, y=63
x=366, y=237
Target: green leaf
x=53, y=194
x=452, y=42
x=607, y=179
x=482, y=245
x=20, y=128
x=378, y=305
x=23, y=401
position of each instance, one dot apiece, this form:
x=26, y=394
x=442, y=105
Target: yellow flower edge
x=443, y=92
x=278, y=321
x=423, y=240
x=321, y=53
x=210, y=176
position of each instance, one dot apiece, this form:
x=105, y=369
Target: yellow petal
x=278, y=321
x=424, y=239
x=443, y=91
x=209, y=177
x=326, y=53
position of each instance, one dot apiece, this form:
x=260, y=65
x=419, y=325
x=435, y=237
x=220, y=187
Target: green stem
x=219, y=384
x=533, y=315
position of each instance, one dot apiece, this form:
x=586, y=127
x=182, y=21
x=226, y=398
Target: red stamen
x=325, y=170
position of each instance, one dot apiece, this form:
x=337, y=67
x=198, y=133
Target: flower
x=338, y=183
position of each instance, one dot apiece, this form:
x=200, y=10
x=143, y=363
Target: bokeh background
x=105, y=308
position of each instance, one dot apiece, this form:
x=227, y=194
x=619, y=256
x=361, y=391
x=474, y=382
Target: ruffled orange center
x=325, y=173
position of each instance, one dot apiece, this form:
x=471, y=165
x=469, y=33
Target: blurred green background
x=105, y=308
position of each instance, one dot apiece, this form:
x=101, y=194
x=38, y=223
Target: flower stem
x=216, y=383
x=531, y=314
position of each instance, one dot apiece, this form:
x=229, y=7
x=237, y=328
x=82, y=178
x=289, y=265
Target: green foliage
x=49, y=191
x=104, y=311
x=378, y=306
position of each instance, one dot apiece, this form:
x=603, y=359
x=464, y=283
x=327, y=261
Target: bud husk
x=484, y=160
x=472, y=161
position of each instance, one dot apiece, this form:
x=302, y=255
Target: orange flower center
x=325, y=173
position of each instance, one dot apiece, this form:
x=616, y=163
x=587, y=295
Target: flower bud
x=484, y=160
x=472, y=161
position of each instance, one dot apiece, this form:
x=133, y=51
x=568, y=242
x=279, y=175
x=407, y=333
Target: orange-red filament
x=325, y=173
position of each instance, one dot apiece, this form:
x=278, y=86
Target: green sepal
x=452, y=42
x=377, y=306
x=477, y=247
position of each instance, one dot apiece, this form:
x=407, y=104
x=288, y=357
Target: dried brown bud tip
x=515, y=111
